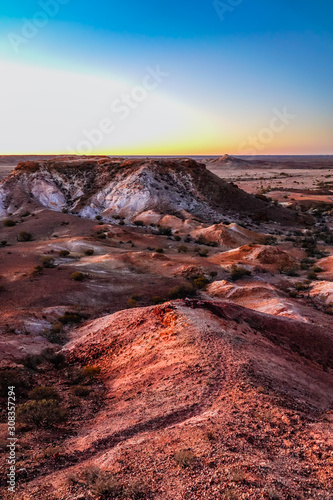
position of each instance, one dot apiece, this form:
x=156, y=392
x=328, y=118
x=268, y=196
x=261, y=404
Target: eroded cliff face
x=115, y=186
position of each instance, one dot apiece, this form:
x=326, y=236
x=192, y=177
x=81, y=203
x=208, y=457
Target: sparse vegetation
x=78, y=276
x=9, y=223
x=182, y=291
x=45, y=413
x=47, y=261
x=64, y=253
x=44, y=392
x=23, y=236
x=185, y=458
x=239, y=272
x=89, y=252
x=182, y=249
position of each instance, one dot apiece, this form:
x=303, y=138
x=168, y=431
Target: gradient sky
x=71, y=78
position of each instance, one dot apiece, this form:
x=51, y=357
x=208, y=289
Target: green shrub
x=182, y=249
x=238, y=272
x=45, y=413
x=132, y=302
x=47, y=261
x=157, y=300
x=69, y=318
x=37, y=271
x=177, y=238
x=57, y=359
x=64, y=253
x=200, y=282
x=12, y=377
x=4, y=243
x=23, y=236
x=32, y=361
x=98, y=217
x=78, y=276
x=9, y=223
x=26, y=214
x=80, y=391
x=44, y=392
x=101, y=236
x=89, y=252
x=138, y=223
x=182, y=291
x=159, y=250
x=203, y=252
x=165, y=231
x=312, y=275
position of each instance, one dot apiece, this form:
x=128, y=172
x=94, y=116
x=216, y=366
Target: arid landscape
x=167, y=324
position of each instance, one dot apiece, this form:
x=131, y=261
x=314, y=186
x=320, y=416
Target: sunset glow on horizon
x=142, y=80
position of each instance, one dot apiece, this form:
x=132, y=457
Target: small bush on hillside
x=23, y=236
x=182, y=249
x=200, y=282
x=185, y=458
x=182, y=291
x=165, y=231
x=64, y=253
x=12, y=377
x=89, y=252
x=80, y=391
x=57, y=359
x=26, y=214
x=177, y=238
x=70, y=318
x=312, y=275
x=9, y=223
x=203, y=252
x=138, y=223
x=78, y=276
x=98, y=217
x=32, y=361
x=44, y=392
x=132, y=302
x=37, y=271
x=47, y=261
x=238, y=272
x=45, y=413
x=4, y=243
x=157, y=300
x=159, y=250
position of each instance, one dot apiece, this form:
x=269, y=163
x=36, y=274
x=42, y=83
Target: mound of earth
x=268, y=257
x=256, y=295
x=126, y=188
x=228, y=236
x=202, y=400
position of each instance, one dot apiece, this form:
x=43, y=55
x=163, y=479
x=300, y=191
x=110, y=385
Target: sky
x=167, y=77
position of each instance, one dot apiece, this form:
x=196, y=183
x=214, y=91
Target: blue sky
x=226, y=77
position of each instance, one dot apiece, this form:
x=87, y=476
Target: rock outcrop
x=126, y=188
